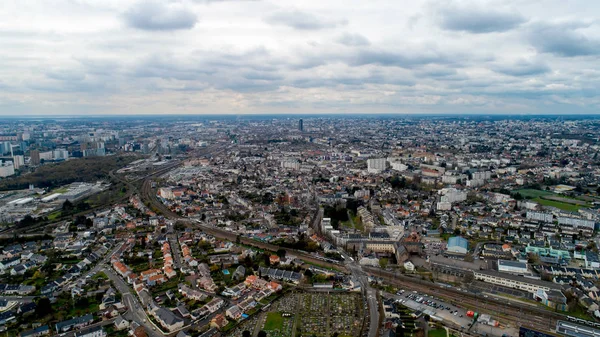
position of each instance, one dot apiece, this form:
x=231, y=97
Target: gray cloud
x=399, y=59
x=92, y=62
x=563, y=39
x=65, y=75
x=523, y=68
x=156, y=16
x=349, y=39
x=477, y=20
x=301, y=20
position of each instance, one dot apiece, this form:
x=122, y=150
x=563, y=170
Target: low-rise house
x=74, y=323
x=215, y=304
x=239, y=273
x=166, y=318
x=234, y=312
x=191, y=293
x=219, y=321
x=207, y=283
x=97, y=331
x=121, y=323
x=37, y=332
x=182, y=310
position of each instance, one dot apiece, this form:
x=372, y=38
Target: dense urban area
x=316, y=226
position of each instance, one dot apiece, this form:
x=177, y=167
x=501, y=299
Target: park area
x=546, y=198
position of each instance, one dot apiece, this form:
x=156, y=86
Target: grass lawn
x=437, y=333
x=54, y=215
x=561, y=205
x=274, y=321
x=579, y=312
x=531, y=193
x=99, y=275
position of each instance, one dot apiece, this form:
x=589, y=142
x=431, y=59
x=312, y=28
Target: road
x=136, y=311
x=101, y=323
x=368, y=292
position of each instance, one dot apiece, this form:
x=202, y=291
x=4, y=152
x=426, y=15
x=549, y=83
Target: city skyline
x=264, y=57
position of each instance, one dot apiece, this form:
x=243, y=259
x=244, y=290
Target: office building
x=18, y=161
x=35, y=157
x=6, y=169
x=59, y=154
x=376, y=165
x=540, y=216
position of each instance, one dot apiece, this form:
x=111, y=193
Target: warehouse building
x=457, y=245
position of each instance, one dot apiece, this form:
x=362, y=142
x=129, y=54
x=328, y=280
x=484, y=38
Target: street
x=136, y=311
x=368, y=292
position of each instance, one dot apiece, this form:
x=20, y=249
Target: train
x=583, y=321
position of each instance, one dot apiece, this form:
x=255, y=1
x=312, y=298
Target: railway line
x=519, y=315
x=148, y=195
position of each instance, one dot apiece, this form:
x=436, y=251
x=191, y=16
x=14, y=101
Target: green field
x=54, y=215
x=531, y=193
x=274, y=321
x=437, y=333
x=561, y=205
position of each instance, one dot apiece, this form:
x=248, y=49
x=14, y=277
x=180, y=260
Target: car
x=455, y=313
x=461, y=316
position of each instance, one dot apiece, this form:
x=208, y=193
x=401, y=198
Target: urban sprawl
x=288, y=227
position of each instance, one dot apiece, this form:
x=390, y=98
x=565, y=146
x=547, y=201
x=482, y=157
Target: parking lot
x=448, y=312
x=435, y=247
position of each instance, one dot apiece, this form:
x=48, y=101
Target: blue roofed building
x=457, y=245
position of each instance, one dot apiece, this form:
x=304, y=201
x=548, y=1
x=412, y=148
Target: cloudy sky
x=90, y=57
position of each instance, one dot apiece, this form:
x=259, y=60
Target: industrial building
x=514, y=267
x=530, y=285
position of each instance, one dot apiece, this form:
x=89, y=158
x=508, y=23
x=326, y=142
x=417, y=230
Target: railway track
x=519, y=315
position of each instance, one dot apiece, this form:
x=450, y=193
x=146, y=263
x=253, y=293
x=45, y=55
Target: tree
x=43, y=307
x=246, y=333
x=383, y=262
x=281, y=252
x=262, y=333
x=67, y=206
